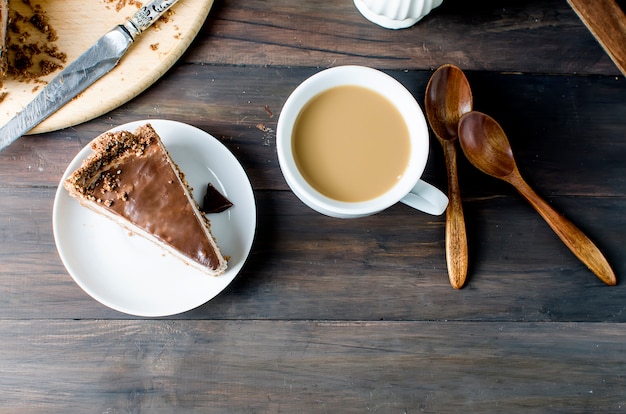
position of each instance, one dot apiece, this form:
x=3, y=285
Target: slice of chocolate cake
x=131, y=179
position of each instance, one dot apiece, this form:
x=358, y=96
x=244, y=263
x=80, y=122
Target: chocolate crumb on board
x=120, y=4
x=214, y=201
x=40, y=21
x=31, y=52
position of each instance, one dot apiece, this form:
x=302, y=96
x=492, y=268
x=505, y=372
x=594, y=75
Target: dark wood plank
x=607, y=22
x=354, y=315
x=390, y=266
x=561, y=127
x=518, y=36
x=554, y=124
x=310, y=366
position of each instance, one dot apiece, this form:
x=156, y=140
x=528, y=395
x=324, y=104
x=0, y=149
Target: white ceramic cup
x=409, y=189
x=395, y=14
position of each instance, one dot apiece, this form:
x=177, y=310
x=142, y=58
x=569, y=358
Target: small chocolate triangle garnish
x=214, y=201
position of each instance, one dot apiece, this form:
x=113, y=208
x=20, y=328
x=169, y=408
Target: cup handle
x=427, y=198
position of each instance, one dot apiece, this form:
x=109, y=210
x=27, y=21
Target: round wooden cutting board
x=78, y=25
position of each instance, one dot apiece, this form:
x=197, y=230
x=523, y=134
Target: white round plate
x=133, y=275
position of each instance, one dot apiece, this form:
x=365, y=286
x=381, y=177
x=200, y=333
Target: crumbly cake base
x=4, y=23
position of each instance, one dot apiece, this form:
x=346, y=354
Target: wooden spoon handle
x=573, y=238
x=607, y=22
x=456, y=237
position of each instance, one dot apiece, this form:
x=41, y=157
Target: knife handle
x=147, y=15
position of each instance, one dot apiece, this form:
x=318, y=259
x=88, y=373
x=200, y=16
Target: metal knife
x=94, y=63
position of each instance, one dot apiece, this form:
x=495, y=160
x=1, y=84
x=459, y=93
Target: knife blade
x=94, y=63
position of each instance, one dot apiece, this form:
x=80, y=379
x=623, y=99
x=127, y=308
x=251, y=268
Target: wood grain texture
x=516, y=36
x=457, y=258
x=313, y=367
x=448, y=96
x=560, y=127
x=582, y=247
x=78, y=25
x=387, y=267
x=607, y=22
x=350, y=315
x=486, y=146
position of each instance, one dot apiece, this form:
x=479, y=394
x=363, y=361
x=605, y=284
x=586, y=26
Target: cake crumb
x=32, y=54
x=120, y=4
x=40, y=21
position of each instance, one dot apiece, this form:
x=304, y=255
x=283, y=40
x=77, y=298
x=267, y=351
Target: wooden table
x=350, y=316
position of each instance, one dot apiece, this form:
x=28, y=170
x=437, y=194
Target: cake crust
x=4, y=23
x=131, y=179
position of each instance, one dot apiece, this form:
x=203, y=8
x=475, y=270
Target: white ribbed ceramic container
x=395, y=14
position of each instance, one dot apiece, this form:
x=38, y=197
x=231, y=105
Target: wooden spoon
x=448, y=97
x=486, y=146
